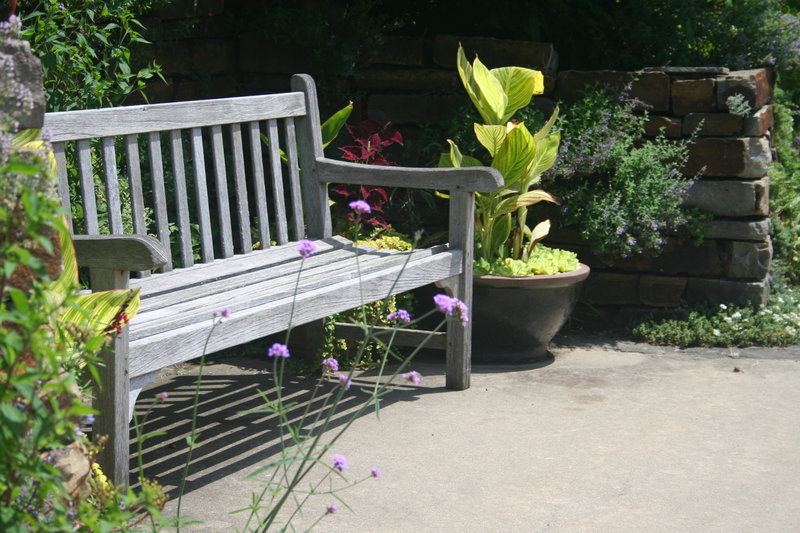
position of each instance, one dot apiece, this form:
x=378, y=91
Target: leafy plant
x=88, y=51
x=521, y=156
x=622, y=193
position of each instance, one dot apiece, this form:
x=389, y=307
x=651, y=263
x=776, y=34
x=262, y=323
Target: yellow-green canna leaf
x=519, y=85
x=501, y=230
x=514, y=157
x=545, y=156
x=67, y=282
x=457, y=159
x=108, y=310
x=508, y=205
x=490, y=136
x=467, y=77
x=542, y=133
x=534, y=197
x=445, y=161
x=331, y=127
x=493, y=100
x=23, y=137
x=539, y=232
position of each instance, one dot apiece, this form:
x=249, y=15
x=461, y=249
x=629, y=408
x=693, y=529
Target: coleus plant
x=502, y=231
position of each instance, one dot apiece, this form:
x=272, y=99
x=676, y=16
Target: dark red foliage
x=370, y=138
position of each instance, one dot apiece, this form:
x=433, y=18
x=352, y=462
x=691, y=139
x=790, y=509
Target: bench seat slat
x=185, y=343
x=157, y=314
x=114, y=121
x=223, y=268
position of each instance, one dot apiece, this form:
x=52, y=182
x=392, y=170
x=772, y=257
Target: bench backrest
x=221, y=175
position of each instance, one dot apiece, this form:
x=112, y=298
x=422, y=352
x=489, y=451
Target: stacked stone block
x=730, y=155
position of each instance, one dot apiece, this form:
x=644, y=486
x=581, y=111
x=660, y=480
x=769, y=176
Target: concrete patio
x=608, y=437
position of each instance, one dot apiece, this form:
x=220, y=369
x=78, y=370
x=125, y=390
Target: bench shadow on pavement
x=233, y=437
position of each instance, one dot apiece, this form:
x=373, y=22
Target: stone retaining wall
x=412, y=80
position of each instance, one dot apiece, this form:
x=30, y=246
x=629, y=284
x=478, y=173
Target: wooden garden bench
x=235, y=212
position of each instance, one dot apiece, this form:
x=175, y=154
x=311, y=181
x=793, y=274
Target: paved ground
x=609, y=437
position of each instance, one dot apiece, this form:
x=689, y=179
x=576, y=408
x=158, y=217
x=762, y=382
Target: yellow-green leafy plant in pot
x=504, y=241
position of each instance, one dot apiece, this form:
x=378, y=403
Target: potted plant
x=523, y=291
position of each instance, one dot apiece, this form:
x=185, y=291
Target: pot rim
x=562, y=279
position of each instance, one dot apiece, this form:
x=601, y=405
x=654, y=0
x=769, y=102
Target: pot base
x=514, y=319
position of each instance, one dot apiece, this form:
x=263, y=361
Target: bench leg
x=459, y=338
x=111, y=394
x=112, y=402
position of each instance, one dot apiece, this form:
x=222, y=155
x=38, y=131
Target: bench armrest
x=119, y=252
x=473, y=179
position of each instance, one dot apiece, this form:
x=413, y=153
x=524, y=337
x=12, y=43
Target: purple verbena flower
x=448, y=305
x=330, y=364
x=339, y=462
x=306, y=248
x=332, y=509
x=345, y=380
x=412, y=376
x=375, y=472
x=162, y=395
x=223, y=312
x=401, y=315
x=278, y=350
x=360, y=206
x=444, y=303
x=88, y=419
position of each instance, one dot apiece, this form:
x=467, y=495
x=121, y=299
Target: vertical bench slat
x=87, y=188
x=201, y=192
x=277, y=182
x=181, y=198
x=294, y=178
x=242, y=210
x=159, y=194
x=112, y=187
x=63, y=180
x=221, y=180
x=135, y=182
x=257, y=165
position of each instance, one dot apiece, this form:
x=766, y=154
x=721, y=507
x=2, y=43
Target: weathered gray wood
x=119, y=252
x=201, y=192
x=399, y=336
x=114, y=121
x=112, y=187
x=259, y=187
x=479, y=179
x=135, y=182
x=309, y=139
x=181, y=198
x=295, y=191
x=459, y=337
x=221, y=268
x=111, y=393
x=221, y=182
x=281, y=227
x=91, y=225
x=187, y=342
x=63, y=180
x=240, y=183
x=159, y=194
x=166, y=310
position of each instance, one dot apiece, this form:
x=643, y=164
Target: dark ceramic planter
x=515, y=318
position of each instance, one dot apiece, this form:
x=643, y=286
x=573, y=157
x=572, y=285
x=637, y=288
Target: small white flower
x=737, y=314
x=715, y=332
x=723, y=306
